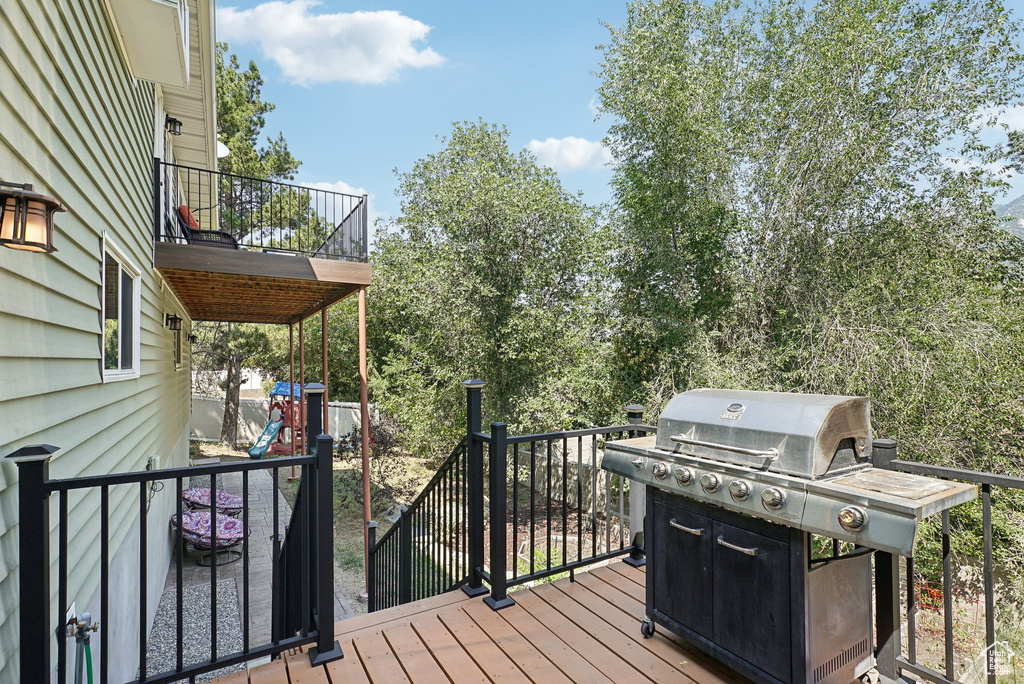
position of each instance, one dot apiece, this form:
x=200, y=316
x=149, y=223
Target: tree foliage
x=492, y=271
x=805, y=206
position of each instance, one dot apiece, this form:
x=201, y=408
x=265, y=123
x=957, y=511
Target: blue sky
x=364, y=88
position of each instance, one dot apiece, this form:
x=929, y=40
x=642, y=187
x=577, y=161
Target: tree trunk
x=229, y=428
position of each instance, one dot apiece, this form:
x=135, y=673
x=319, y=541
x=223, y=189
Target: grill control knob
x=710, y=482
x=684, y=475
x=739, y=490
x=660, y=470
x=773, y=498
x=853, y=518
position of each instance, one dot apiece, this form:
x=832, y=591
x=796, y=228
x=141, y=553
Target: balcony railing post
x=404, y=557
x=475, y=488
x=34, y=560
x=887, y=585
x=366, y=228
x=157, y=196
x=371, y=567
x=326, y=648
x=499, y=517
x=637, y=497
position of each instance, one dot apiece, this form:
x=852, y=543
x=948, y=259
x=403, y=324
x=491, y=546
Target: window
x=120, y=314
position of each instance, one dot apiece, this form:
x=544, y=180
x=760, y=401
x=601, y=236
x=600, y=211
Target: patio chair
x=194, y=235
x=197, y=530
x=198, y=498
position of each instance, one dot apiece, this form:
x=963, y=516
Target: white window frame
x=128, y=266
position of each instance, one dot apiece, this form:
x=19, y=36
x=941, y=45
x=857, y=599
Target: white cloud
x=346, y=189
x=570, y=154
x=355, y=47
x=1009, y=116
x=592, y=106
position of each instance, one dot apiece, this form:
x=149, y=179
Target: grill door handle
x=772, y=453
x=749, y=551
x=697, y=532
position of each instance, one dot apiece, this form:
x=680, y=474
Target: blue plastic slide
x=259, y=449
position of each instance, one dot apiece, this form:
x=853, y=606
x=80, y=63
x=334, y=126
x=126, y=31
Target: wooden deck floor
x=586, y=631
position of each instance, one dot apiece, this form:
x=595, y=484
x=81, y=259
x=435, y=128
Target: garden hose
x=88, y=662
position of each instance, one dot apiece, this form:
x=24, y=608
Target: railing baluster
x=275, y=579
x=515, y=511
x=213, y=566
x=179, y=550
x=143, y=611
x=911, y=613
x=62, y=584
x=579, y=498
x=548, y=500
x=533, y=501
x=104, y=579
x=990, y=608
x=947, y=594
x=607, y=511
x=565, y=501
x=245, y=560
x=593, y=494
x=622, y=501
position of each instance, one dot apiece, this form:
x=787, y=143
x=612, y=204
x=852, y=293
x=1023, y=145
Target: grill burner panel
x=894, y=502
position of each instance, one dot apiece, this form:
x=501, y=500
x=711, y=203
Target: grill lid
x=806, y=435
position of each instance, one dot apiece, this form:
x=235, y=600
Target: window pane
x=111, y=306
x=127, y=321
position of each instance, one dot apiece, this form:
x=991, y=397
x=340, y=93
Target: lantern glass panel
x=7, y=218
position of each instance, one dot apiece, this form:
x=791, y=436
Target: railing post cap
x=635, y=408
x=314, y=388
x=33, y=452
x=371, y=523
x=883, y=444
x=499, y=425
x=474, y=384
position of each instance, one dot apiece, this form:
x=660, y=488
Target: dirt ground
x=404, y=482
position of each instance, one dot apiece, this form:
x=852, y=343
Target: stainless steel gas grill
x=736, y=484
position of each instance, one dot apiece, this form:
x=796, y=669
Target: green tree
x=493, y=271
x=807, y=207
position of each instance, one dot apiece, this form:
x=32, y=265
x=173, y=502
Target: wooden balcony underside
x=244, y=286
x=586, y=631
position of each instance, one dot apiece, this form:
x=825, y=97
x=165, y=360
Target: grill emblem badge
x=733, y=412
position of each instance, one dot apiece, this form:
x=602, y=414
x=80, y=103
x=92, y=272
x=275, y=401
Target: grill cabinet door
x=751, y=601
x=682, y=567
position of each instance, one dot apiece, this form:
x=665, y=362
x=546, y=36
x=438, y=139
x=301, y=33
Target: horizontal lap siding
x=74, y=123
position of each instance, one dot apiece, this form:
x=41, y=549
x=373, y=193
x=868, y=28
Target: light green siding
x=76, y=124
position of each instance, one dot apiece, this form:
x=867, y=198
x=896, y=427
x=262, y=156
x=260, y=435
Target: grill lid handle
x=771, y=454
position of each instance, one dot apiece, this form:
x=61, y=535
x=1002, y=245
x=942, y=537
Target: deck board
x=583, y=631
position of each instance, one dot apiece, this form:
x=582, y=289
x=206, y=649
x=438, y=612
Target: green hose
x=88, y=662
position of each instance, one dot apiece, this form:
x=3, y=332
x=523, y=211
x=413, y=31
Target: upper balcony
x=242, y=249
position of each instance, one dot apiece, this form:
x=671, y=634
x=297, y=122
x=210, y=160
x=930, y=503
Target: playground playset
x=288, y=406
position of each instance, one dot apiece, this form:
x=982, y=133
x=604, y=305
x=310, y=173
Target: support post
x=404, y=558
x=637, y=498
x=326, y=648
x=371, y=575
x=887, y=585
x=499, y=517
x=475, y=488
x=34, y=557
x=364, y=432
x=292, y=433
x=323, y=352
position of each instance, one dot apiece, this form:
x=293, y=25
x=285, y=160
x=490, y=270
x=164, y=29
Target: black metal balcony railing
x=238, y=212
x=301, y=587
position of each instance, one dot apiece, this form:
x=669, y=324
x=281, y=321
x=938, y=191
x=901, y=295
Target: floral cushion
x=196, y=529
x=199, y=497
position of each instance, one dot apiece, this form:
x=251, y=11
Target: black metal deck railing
x=545, y=494
x=896, y=608
x=239, y=212
x=301, y=587
x=542, y=492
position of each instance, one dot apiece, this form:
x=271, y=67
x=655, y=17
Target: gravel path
x=161, y=650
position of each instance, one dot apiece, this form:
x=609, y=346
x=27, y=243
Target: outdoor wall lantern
x=172, y=125
x=172, y=321
x=26, y=218
x=193, y=338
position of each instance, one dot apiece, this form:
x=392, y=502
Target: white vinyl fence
x=253, y=414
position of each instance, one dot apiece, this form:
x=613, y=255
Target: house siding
x=76, y=124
